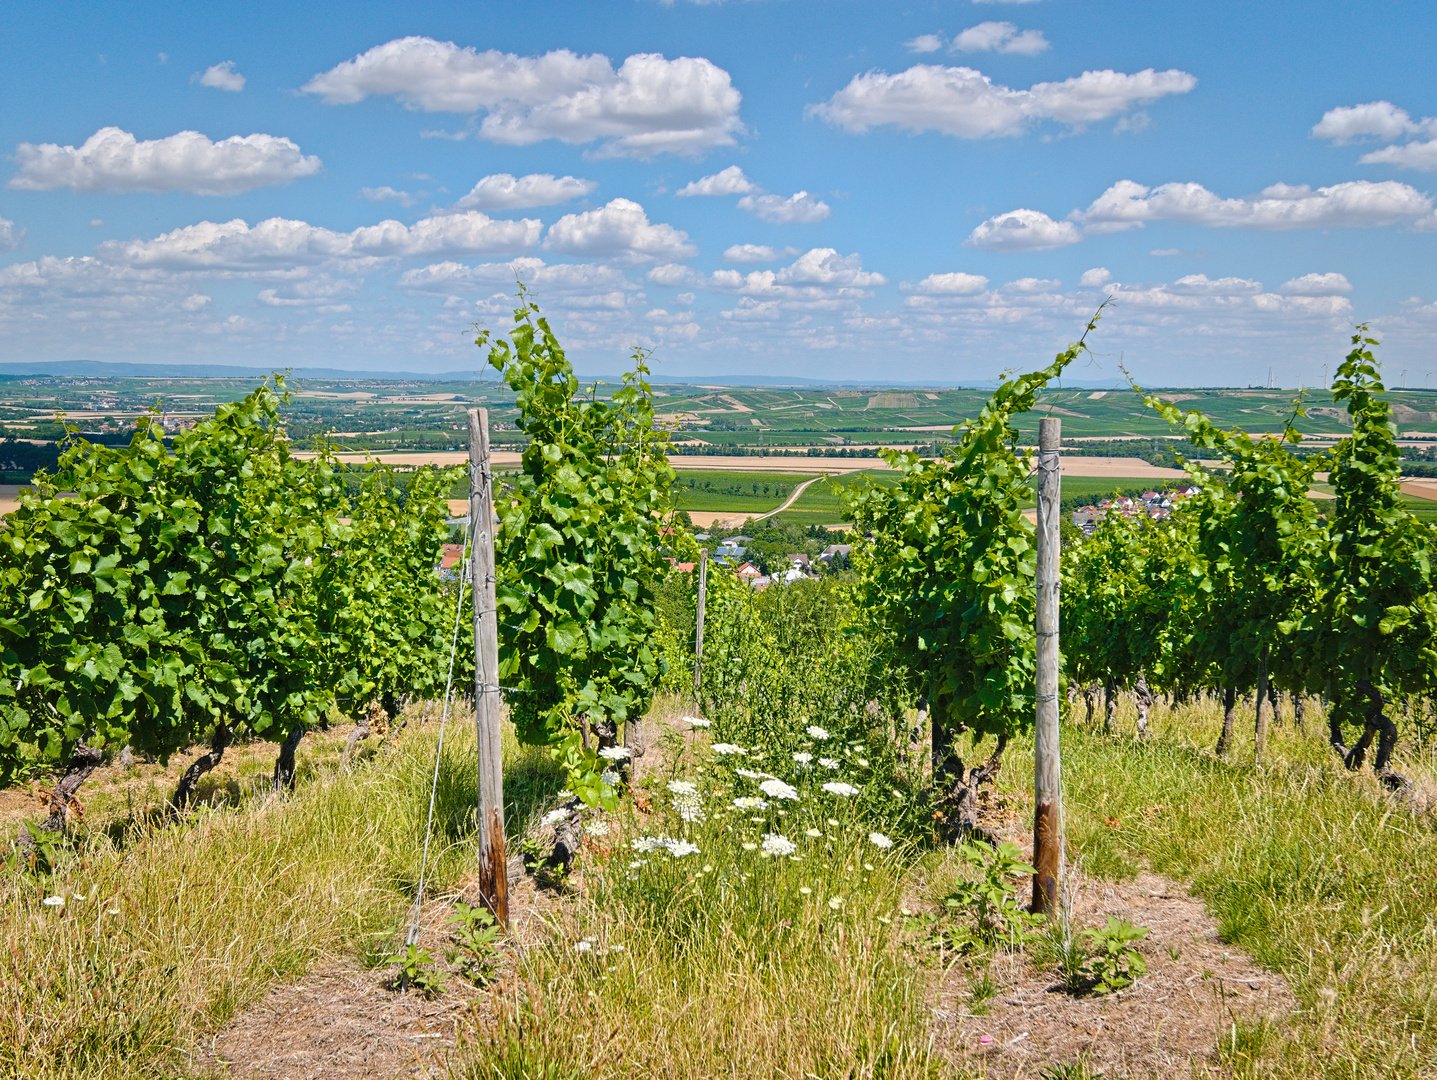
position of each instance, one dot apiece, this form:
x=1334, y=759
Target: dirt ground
x=1168, y=1023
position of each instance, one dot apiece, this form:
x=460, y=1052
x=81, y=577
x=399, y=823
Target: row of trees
x=154, y=596
x=1250, y=588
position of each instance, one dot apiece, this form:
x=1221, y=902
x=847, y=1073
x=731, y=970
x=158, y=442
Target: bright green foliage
x=477, y=935
x=1378, y=612
x=578, y=549
x=168, y=590
x=1114, y=963
x=383, y=624
x=1256, y=543
x=989, y=911
x=949, y=569
x=1127, y=602
x=164, y=596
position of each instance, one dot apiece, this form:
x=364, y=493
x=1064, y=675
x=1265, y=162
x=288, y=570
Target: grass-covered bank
x=1316, y=872
x=167, y=930
x=724, y=965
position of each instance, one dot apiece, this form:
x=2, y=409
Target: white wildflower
x=777, y=844
x=648, y=843
x=679, y=848
x=828, y=762
x=727, y=748
x=812, y=832
x=637, y=863
x=862, y=762
x=609, y=777
x=803, y=757
x=53, y=901
x=696, y=721
x=877, y=839
x=840, y=789
x=749, y=774
x=816, y=732
x=583, y=946
x=691, y=813
x=750, y=847
x=615, y=753
x=777, y=789
x=553, y=817
x=835, y=902
x=597, y=828
x=683, y=787
x=751, y=802
x=833, y=822
x=805, y=890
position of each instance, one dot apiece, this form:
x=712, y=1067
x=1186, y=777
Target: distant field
x=740, y=493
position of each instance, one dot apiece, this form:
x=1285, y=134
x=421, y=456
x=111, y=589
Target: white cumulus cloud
x=1023, y=230
x=10, y=235
x=800, y=208
x=281, y=243
x=954, y=284
x=1002, y=37
x=966, y=103
x=925, y=43
x=1316, y=285
x=649, y=106
x=817, y=275
x=1412, y=155
x=221, y=77
x=1376, y=119
x=730, y=181
x=1128, y=205
x=756, y=253
x=386, y=193
x=503, y=191
x=114, y=160
x=1095, y=278
x=551, y=278
x=621, y=231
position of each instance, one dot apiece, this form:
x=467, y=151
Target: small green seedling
x=992, y=901
x=416, y=969
x=1115, y=963
x=476, y=933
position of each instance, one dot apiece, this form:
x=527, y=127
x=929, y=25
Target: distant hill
x=83, y=369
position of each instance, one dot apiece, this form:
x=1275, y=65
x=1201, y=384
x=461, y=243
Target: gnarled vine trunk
x=1260, y=728
x=61, y=799
x=1143, y=697
x=955, y=787
x=1110, y=705
x=201, y=765
x=284, y=764
x=1229, y=706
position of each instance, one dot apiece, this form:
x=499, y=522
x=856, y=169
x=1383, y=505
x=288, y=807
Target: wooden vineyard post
x=493, y=873
x=1047, y=771
x=699, y=622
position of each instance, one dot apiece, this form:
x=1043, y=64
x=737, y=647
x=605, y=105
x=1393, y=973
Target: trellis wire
x=439, y=750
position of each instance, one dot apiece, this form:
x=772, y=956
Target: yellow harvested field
x=1118, y=466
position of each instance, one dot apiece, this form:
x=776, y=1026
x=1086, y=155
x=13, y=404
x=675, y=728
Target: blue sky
x=933, y=191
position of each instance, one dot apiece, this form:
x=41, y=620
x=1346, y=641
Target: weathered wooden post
x=1047, y=762
x=699, y=622
x=493, y=875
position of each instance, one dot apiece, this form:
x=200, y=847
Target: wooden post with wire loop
x=493, y=872
x=699, y=620
x=1047, y=761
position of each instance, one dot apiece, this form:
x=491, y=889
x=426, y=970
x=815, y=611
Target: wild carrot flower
x=840, y=789
x=777, y=844
x=828, y=762
x=777, y=789
x=615, y=753
x=597, y=828
x=696, y=721
x=877, y=839
x=727, y=748
x=803, y=757
x=683, y=787
x=553, y=817
x=816, y=732
x=751, y=802
x=835, y=902
x=679, y=848
x=812, y=832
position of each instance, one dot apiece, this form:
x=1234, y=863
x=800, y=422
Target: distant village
x=730, y=555
x=1154, y=505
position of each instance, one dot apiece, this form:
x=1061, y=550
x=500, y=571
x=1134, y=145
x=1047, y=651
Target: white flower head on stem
x=816, y=732
x=751, y=802
x=683, y=787
x=53, y=901
x=608, y=776
x=696, y=721
x=597, y=828
x=615, y=753
x=777, y=844
x=727, y=748
x=553, y=817
x=828, y=762
x=803, y=757
x=840, y=788
x=877, y=839
x=777, y=789
x=679, y=848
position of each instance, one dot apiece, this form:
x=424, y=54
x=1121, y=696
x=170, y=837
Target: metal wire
x=439, y=750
